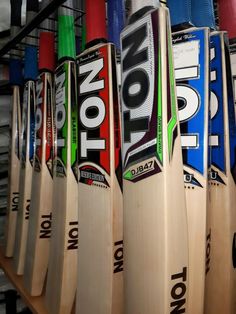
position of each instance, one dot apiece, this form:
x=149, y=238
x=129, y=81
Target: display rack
x=35, y=23
x=35, y=304
x=17, y=42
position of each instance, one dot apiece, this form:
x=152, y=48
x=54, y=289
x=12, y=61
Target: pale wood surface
x=14, y=173
x=197, y=206
x=221, y=275
x=155, y=218
x=99, y=289
x=37, y=248
x=24, y=183
x=62, y=268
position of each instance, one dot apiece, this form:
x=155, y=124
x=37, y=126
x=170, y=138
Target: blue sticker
x=190, y=71
x=217, y=109
x=32, y=123
x=209, y=159
x=28, y=126
x=24, y=125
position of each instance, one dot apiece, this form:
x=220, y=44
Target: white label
x=186, y=60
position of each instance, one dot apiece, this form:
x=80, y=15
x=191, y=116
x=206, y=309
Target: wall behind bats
x=5, y=15
x=5, y=107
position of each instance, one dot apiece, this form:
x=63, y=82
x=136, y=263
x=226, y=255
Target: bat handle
x=136, y=5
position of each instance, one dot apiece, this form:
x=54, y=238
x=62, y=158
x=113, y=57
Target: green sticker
x=65, y=88
x=159, y=111
x=128, y=175
x=173, y=121
x=74, y=122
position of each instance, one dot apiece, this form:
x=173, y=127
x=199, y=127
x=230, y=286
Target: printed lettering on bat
x=178, y=292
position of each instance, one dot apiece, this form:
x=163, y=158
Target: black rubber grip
x=16, y=12
x=33, y=5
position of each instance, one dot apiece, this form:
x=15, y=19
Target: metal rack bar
x=44, y=13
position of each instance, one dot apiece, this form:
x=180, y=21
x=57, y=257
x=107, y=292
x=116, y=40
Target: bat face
x=190, y=75
x=43, y=116
x=151, y=150
x=64, y=73
x=94, y=123
x=28, y=141
x=13, y=190
x=100, y=183
x=16, y=130
x=66, y=138
x=39, y=232
x=221, y=236
x=62, y=267
x=191, y=51
x=27, y=158
x=218, y=152
x=60, y=122
x=140, y=139
x=28, y=123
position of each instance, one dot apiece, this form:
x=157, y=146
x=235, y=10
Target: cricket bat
x=191, y=59
x=16, y=81
x=62, y=269
x=163, y=3
x=191, y=51
x=116, y=20
x=155, y=217
x=27, y=146
x=100, y=264
x=221, y=259
x=40, y=218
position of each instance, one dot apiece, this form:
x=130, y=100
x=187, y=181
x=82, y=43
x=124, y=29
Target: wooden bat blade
x=39, y=233
x=27, y=152
x=16, y=81
x=191, y=50
x=14, y=173
x=221, y=262
x=100, y=264
x=62, y=269
x=154, y=200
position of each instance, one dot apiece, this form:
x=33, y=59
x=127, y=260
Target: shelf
x=35, y=304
